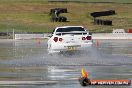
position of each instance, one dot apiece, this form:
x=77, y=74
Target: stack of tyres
x=102, y=22
x=62, y=19
x=59, y=19
x=107, y=22
x=55, y=14
x=61, y=10
x=3, y=34
x=54, y=19
x=103, y=13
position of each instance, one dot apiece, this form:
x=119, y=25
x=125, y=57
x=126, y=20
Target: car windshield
x=69, y=29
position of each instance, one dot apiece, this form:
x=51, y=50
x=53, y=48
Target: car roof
x=69, y=26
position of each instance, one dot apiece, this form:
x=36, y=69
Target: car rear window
x=71, y=33
x=69, y=29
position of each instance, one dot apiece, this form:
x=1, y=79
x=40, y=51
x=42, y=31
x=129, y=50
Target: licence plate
x=72, y=48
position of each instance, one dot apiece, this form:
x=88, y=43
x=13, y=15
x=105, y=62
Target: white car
x=69, y=38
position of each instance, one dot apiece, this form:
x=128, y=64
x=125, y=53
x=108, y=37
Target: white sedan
x=69, y=38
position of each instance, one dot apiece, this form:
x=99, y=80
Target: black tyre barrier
x=62, y=19
x=55, y=15
x=59, y=10
x=3, y=34
x=102, y=22
x=84, y=81
x=103, y=13
x=59, y=19
x=53, y=19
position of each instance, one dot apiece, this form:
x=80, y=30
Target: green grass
x=44, y=1
x=33, y=15
x=112, y=1
x=24, y=1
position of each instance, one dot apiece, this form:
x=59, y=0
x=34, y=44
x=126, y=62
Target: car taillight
x=83, y=38
x=88, y=37
x=60, y=39
x=55, y=39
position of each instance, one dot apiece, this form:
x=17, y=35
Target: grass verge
x=33, y=15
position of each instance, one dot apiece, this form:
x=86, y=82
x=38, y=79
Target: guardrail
x=94, y=36
x=28, y=36
x=112, y=36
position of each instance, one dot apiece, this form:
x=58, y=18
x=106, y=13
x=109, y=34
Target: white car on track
x=69, y=38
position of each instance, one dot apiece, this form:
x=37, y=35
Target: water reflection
x=28, y=60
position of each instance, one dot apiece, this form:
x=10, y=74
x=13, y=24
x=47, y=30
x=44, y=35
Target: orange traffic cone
x=38, y=41
x=97, y=43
